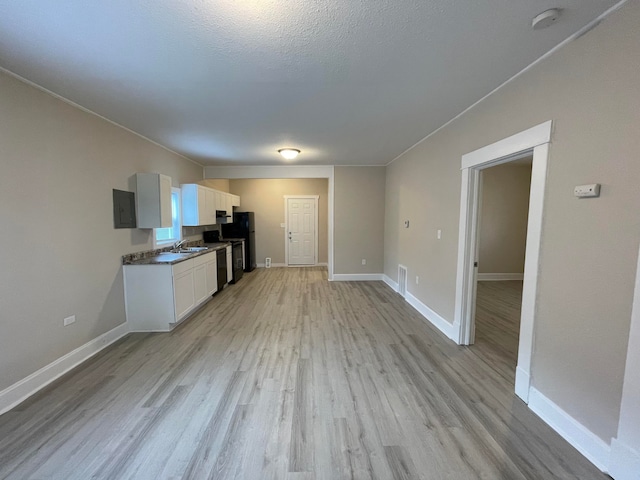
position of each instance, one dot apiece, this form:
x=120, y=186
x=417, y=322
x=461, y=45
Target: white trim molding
x=447, y=328
x=624, y=461
x=392, y=283
x=505, y=148
x=286, y=171
x=579, y=436
x=20, y=391
x=357, y=277
x=499, y=277
x=532, y=141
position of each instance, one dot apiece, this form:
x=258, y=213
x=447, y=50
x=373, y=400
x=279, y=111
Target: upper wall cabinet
x=198, y=205
x=153, y=200
x=221, y=202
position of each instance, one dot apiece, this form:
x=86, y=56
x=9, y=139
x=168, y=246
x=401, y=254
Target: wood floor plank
x=288, y=376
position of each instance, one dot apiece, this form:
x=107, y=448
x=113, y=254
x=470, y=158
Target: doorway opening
x=532, y=142
x=502, y=230
x=301, y=229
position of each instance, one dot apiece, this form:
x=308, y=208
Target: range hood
x=222, y=217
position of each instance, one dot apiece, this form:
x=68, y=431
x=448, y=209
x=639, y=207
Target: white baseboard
x=357, y=277
x=624, y=462
x=450, y=330
x=391, y=283
x=499, y=277
x=582, y=439
x=435, y=319
x=323, y=264
x=20, y=391
x=523, y=382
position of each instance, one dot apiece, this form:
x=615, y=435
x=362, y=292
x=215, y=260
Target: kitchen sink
x=171, y=256
x=189, y=250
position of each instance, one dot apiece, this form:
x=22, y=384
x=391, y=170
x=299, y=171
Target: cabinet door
x=220, y=201
x=235, y=200
x=229, y=205
x=229, y=265
x=210, y=206
x=153, y=199
x=200, y=283
x=166, y=219
x=183, y=293
x=202, y=206
x=211, y=273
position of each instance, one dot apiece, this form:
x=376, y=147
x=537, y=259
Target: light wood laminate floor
x=288, y=376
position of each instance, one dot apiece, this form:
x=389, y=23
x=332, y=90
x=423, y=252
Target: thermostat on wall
x=584, y=191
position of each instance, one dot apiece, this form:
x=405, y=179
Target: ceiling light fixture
x=289, y=153
x=545, y=19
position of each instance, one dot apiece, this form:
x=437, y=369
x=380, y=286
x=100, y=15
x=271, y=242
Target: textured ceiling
x=228, y=82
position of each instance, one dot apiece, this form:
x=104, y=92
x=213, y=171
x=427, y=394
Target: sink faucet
x=179, y=243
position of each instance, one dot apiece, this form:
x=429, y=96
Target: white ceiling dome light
x=289, y=153
x=545, y=19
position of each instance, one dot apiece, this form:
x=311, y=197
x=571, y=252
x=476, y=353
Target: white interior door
x=302, y=225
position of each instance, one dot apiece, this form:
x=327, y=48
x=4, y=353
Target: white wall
x=590, y=90
x=61, y=255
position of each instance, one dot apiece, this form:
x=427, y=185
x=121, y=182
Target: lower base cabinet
x=158, y=297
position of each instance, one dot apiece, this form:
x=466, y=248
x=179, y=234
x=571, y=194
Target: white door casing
x=534, y=140
x=301, y=229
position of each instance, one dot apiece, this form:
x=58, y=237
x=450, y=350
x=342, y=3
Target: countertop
x=170, y=258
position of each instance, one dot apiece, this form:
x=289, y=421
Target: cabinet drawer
x=182, y=267
x=203, y=259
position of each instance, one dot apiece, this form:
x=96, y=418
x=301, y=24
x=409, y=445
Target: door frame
x=286, y=226
x=535, y=140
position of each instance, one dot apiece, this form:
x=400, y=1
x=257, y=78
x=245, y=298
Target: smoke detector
x=545, y=19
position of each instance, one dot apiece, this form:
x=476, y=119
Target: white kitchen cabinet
x=198, y=205
x=235, y=200
x=205, y=276
x=229, y=264
x=210, y=204
x=153, y=200
x=200, y=283
x=183, y=292
x=229, y=205
x=211, y=274
x=221, y=202
x=159, y=296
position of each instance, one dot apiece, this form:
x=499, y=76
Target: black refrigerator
x=243, y=226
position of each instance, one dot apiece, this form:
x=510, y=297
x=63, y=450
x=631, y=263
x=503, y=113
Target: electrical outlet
x=417, y=279
x=439, y=234
x=364, y=261
x=282, y=225
x=69, y=320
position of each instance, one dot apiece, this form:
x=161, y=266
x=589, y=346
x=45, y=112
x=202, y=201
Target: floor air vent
x=402, y=280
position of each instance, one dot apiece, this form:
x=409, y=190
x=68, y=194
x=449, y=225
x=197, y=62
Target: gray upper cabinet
x=153, y=200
